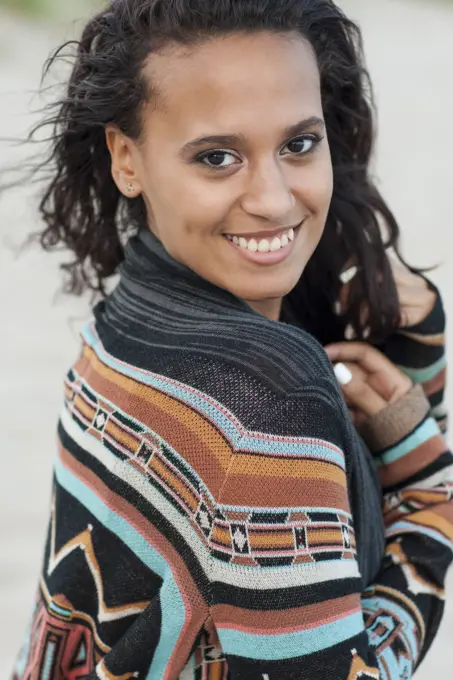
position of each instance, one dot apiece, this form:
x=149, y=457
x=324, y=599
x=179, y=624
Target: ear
x=122, y=154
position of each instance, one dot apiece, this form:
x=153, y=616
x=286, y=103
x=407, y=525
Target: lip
x=270, y=258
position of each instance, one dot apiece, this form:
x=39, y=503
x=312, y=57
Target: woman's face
x=234, y=163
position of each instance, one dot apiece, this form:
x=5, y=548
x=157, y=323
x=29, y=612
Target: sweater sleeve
x=420, y=353
x=285, y=587
x=416, y=472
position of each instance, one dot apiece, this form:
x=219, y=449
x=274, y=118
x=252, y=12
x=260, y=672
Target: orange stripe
x=221, y=535
x=184, y=429
x=250, y=490
x=174, y=483
x=271, y=539
x=85, y=409
x=126, y=440
x=323, y=537
x=440, y=518
x=261, y=465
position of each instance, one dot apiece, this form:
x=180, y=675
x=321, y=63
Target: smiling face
x=233, y=162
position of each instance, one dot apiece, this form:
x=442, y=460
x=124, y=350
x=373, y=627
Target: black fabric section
x=435, y=322
x=136, y=648
x=148, y=511
x=333, y=664
x=125, y=578
x=283, y=598
x=248, y=385
x=437, y=398
x=366, y=508
x=405, y=351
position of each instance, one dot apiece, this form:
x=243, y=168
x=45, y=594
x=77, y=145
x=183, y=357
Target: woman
x=214, y=512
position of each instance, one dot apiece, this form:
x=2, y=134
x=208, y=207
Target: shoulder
x=267, y=376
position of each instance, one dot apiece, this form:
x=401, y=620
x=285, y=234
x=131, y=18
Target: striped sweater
x=201, y=522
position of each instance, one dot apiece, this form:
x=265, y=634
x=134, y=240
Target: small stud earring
x=130, y=187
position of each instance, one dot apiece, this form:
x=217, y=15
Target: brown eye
x=216, y=159
x=303, y=145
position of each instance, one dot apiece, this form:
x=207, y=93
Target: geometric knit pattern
x=206, y=533
x=138, y=485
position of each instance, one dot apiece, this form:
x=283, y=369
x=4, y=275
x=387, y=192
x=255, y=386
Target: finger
x=378, y=371
x=359, y=394
x=364, y=355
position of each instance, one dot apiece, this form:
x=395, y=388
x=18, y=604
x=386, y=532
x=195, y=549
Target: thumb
x=358, y=393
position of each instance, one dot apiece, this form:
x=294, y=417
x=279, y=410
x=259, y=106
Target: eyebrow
x=233, y=140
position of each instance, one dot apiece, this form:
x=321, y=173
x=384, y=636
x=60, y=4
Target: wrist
x=394, y=423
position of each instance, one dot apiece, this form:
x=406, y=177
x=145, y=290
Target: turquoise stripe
x=391, y=664
x=409, y=527
x=214, y=411
x=172, y=604
x=426, y=430
x=422, y=375
x=387, y=608
x=66, y=613
x=48, y=661
x=290, y=645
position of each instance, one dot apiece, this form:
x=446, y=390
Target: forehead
x=235, y=80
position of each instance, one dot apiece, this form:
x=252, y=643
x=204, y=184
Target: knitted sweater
x=201, y=521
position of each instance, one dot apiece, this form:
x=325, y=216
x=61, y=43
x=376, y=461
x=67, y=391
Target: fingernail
x=343, y=374
x=348, y=274
x=349, y=332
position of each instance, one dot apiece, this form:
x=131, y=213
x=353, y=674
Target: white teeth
x=264, y=245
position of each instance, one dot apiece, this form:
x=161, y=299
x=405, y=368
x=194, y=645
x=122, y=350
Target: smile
x=262, y=250
x=263, y=245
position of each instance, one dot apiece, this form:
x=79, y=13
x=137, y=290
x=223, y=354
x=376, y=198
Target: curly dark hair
x=84, y=211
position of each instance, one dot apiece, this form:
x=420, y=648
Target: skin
x=254, y=87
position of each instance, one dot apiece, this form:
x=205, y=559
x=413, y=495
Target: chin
x=266, y=290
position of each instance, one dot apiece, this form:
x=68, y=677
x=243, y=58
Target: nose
x=268, y=194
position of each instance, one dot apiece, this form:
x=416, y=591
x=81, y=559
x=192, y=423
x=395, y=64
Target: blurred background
x=409, y=48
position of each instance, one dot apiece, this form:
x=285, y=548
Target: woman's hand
x=369, y=381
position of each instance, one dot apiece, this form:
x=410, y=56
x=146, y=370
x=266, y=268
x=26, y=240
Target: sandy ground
x=409, y=47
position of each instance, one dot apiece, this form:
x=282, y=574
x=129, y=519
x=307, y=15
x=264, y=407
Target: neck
x=270, y=308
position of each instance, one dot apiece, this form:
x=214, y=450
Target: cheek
x=196, y=205
x=316, y=186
